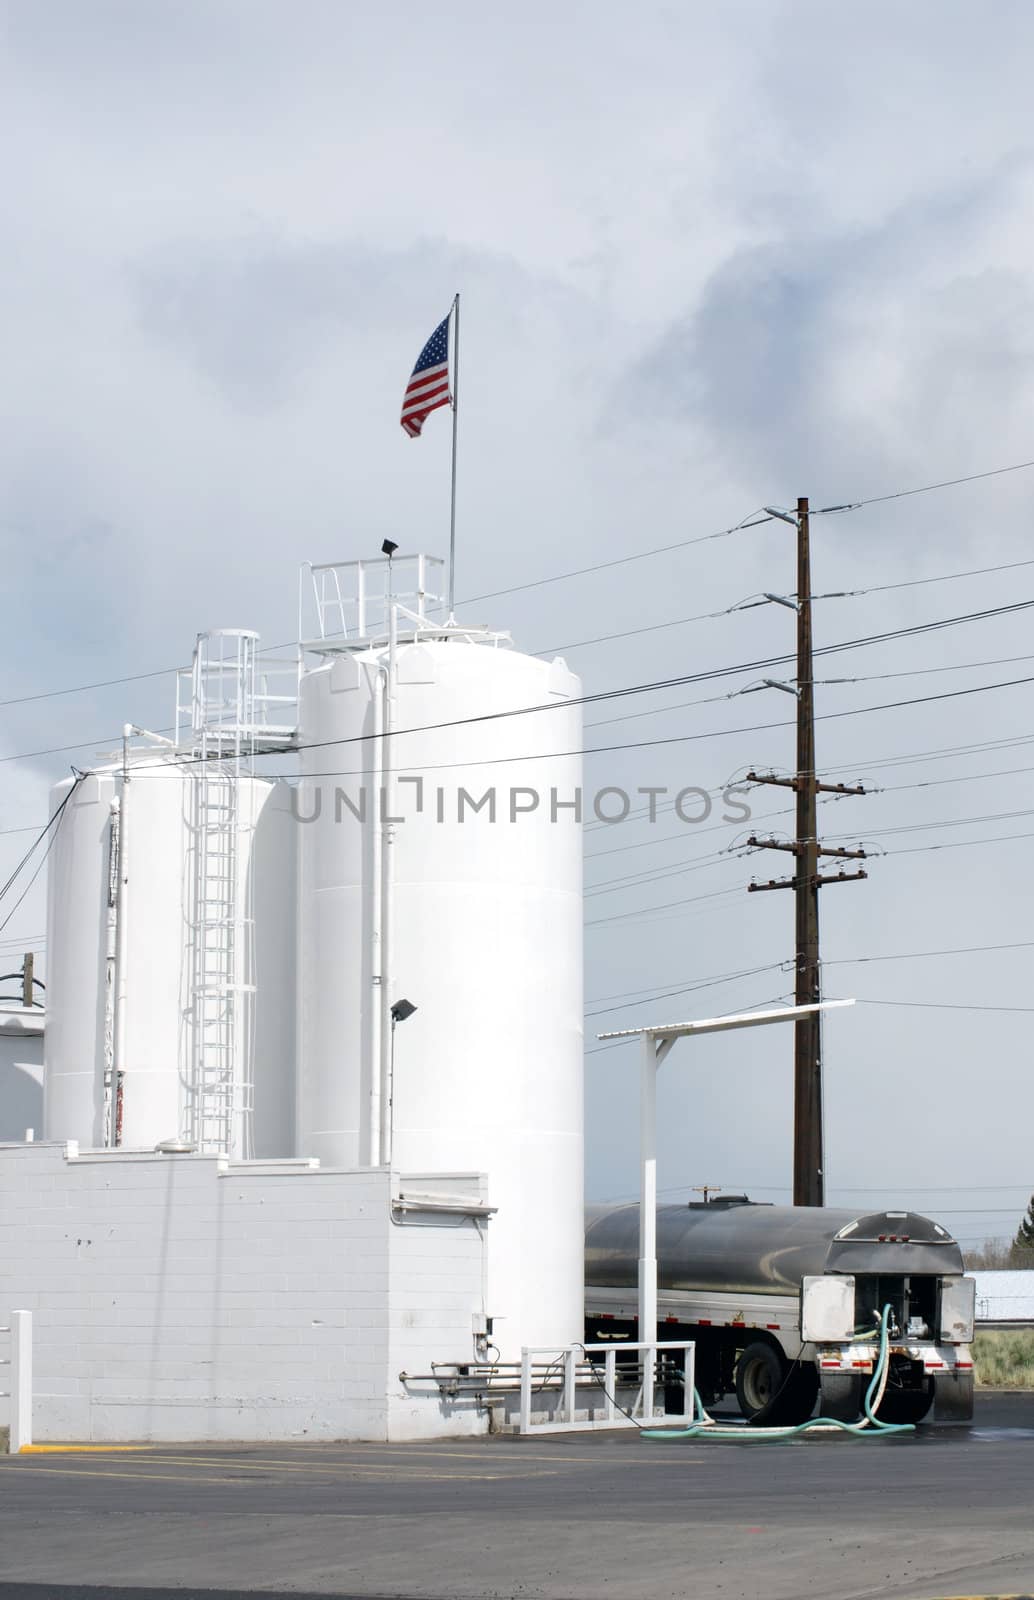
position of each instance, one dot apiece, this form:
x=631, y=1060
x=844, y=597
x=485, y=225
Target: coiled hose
x=870, y=1427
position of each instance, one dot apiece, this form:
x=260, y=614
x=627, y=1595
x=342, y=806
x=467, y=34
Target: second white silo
x=171, y=932
x=476, y=922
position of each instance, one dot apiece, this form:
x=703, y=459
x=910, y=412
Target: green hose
x=871, y=1427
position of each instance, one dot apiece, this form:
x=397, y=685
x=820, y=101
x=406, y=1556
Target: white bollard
x=21, y=1381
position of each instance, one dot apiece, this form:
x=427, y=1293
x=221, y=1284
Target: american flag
x=428, y=388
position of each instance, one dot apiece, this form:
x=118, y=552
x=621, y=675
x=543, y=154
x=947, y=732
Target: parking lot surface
x=560, y=1517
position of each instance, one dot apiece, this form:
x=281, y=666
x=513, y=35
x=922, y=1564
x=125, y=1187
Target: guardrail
x=572, y=1366
x=19, y=1364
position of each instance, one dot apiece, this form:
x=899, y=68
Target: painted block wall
x=181, y=1298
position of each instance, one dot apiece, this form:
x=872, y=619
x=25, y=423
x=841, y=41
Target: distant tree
x=1021, y=1253
x=991, y=1256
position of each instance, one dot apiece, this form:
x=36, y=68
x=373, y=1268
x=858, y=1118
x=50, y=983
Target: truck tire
x=760, y=1374
x=795, y=1401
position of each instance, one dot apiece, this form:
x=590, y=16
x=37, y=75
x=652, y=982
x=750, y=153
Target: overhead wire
x=637, y=744
x=624, y=1001
x=752, y=520
x=953, y=844
x=52, y=828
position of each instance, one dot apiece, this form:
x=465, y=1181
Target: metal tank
x=170, y=936
x=737, y=1247
x=440, y=865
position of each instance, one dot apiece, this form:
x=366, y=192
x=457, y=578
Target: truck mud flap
x=953, y=1397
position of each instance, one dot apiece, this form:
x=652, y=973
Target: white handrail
x=574, y=1356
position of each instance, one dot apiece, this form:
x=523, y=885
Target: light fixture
x=388, y=548
x=402, y=1010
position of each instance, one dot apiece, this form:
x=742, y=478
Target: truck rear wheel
x=760, y=1373
x=905, y=1405
x=795, y=1402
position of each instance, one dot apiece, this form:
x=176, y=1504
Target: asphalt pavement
x=944, y=1511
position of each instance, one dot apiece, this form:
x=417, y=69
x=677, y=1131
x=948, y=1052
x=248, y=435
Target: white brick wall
x=173, y=1300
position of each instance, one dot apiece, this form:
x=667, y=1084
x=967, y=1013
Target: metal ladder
x=221, y=979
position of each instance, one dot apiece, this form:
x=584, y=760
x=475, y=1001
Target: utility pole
x=27, y=978
x=808, y=1159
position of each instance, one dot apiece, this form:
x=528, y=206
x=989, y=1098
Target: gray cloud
x=709, y=258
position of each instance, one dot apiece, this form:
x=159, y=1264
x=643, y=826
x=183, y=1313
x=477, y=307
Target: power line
x=622, y=561
x=956, y=844
x=854, y=505
x=752, y=520
x=131, y=677
x=765, y=816
x=692, y=988
x=85, y=688
x=67, y=749
x=618, y=1044
x=605, y=638
x=942, y=822
x=623, y=916
x=928, y=488
x=639, y=813
x=916, y=583
x=941, y=1005
x=869, y=677
x=52, y=828
x=706, y=676
x=959, y=844
x=608, y=749
x=632, y=996
x=917, y=955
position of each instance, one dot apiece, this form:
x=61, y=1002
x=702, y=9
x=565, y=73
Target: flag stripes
x=428, y=387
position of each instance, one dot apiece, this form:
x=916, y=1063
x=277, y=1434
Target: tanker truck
x=784, y=1304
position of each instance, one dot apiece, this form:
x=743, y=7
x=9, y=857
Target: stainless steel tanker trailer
x=784, y=1304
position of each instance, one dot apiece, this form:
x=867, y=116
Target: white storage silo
x=170, y=940
x=477, y=923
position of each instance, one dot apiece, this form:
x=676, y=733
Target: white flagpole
x=455, y=375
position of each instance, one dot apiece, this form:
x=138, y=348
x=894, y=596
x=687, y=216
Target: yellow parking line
x=76, y=1449
x=94, y=1472
x=331, y=1468
x=299, y=1464
x=418, y=1453
x=189, y=1478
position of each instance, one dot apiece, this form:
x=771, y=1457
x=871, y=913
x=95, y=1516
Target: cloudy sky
x=710, y=259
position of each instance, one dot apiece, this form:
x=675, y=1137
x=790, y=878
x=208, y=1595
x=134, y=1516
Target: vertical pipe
x=370, y=1142
x=111, y=970
x=118, y=1068
x=525, y=1389
x=648, y=1210
x=387, y=844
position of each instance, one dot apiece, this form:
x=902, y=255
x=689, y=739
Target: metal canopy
x=657, y=1041
x=744, y=1019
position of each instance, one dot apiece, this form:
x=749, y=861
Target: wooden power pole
x=808, y=1159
